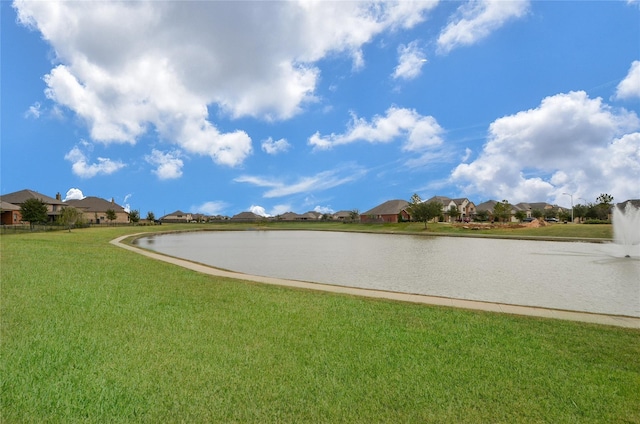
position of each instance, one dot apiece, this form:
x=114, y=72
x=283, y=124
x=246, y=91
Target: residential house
x=342, y=216
x=17, y=198
x=9, y=214
x=387, y=212
x=246, y=217
x=288, y=216
x=177, y=217
x=94, y=210
x=465, y=208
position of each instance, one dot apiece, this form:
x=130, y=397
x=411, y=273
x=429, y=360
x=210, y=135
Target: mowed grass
x=93, y=333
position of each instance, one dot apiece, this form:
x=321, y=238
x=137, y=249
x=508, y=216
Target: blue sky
x=223, y=107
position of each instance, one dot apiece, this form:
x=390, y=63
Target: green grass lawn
x=94, y=333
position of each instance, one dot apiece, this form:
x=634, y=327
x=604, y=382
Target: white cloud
x=125, y=203
x=83, y=169
x=210, y=208
x=280, y=209
x=319, y=182
x=570, y=142
x=164, y=63
x=258, y=210
x=475, y=20
x=410, y=61
x=418, y=132
x=629, y=87
x=323, y=209
x=33, y=111
x=74, y=194
x=169, y=165
x=274, y=147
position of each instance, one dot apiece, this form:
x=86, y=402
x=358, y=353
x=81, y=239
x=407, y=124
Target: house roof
x=6, y=206
x=634, y=202
x=534, y=206
x=390, y=207
x=94, y=204
x=246, y=215
x=486, y=206
x=19, y=197
x=176, y=213
x=442, y=199
x=342, y=214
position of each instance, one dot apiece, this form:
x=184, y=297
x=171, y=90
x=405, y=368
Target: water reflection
x=573, y=276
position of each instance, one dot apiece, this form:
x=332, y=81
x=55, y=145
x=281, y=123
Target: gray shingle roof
x=19, y=197
x=94, y=204
x=390, y=207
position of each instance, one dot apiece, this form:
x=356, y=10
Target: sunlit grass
x=94, y=333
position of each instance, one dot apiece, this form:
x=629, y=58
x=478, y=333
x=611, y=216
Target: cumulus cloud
x=258, y=210
x=274, y=147
x=475, y=20
x=570, y=142
x=210, y=208
x=164, y=63
x=82, y=168
x=411, y=59
x=629, y=87
x=280, y=209
x=323, y=209
x=74, y=194
x=34, y=111
x=169, y=165
x=318, y=182
x=417, y=132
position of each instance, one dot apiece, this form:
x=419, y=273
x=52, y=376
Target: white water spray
x=626, y=227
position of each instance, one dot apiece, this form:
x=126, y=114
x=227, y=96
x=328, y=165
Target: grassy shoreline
x=93, y=333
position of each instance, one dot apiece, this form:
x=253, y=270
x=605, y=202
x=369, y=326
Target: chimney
x=112, y=201
x=58, y=196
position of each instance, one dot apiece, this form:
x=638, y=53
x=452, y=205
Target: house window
x=15, y=217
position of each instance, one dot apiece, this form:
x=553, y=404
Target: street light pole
x=570, y=195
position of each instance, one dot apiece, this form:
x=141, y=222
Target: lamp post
x=570, y=195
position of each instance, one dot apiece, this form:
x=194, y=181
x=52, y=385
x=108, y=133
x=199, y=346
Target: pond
x=587, y=277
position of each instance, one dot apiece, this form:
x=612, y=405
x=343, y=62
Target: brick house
x=94, y=210
x=17, y=198
x=387, y=212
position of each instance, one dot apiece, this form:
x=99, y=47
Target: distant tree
x=326, y=217
x=482, y=215
x=415, y=199
x=564, y=216
x=69, y=216
x=536, y=213
x=520, y=215
x=151, y=217
x=424, y=212
x=550, y=213
x=453, y=212
x=604, y=199
x=110, y=214
x=604, y=206
x=134, y=216
x=34, y=211
x=354, y=215
x=579, y=211
x=502, y=211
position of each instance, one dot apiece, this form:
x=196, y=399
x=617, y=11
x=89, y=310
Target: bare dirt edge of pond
x=614, y=320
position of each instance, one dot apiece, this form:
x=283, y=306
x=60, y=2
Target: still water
x=584, y=277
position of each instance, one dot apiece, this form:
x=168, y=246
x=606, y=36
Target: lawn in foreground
x=92, y=333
